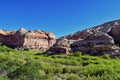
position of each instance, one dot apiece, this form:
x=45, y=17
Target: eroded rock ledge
x=33, y=39
x=94, y=41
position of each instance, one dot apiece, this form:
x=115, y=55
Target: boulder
x=61, y=46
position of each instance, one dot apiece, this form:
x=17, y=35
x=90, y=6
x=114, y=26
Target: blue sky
x=60, y=17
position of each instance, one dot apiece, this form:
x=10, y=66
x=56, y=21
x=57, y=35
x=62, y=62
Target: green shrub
x=5, y=49
x=77, y=54
x=26, y=49
x=76, y=70
x=66, y=70
x=73, y=77
x=23, y=65
x=106, y=56
x=42, y=72
x=48, y=70
x=4, y=78
x=57, y=70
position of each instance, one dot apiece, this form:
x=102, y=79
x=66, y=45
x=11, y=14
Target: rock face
x=36, y=39
x=95, y=43
x=61, y=46
x=99, y=39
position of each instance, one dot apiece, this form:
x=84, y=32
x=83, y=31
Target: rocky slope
x=34, y=39
x=95, y=41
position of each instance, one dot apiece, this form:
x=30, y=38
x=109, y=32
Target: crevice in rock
x=115, y=38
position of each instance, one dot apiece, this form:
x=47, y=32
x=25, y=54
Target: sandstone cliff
x=99, y=39
x=34, y=39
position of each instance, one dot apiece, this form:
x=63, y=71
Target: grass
x=26, y=65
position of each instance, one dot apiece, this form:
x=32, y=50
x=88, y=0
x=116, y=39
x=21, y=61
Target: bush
x=106, y=56
x=66, y=70
x=73, y=77
x=5, y=49
x=78, y=54
x=21, y=65
x=57, y=70
x=26, y=49
x=48, y=70
x=3, y=78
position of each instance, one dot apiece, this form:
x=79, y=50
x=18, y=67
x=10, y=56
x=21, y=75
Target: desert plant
x=106, y=56
x=73, y=77
x=78, y=54
x=26, y=49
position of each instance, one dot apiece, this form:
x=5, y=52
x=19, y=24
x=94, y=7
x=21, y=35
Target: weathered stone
x=60, y=47
x=102, y=38
x=99, y=42
x=115, y=32
x=36, y=39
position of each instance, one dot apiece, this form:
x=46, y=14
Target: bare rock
x=102, y=38
x=36, y=39
x=61, y=46
x=115, y=32
x=97, y=42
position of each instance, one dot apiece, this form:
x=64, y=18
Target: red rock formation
x=32, y=39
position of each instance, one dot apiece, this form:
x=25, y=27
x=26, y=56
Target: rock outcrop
x=96, y=44
x=61, y=46
x=96, y=40
x=34, y=39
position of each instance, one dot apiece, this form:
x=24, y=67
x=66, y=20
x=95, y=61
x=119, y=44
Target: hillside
x=102, y=42
x=22, y=65
x=98, y=40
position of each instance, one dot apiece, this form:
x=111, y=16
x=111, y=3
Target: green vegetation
x=18, y=65
x=26, y=49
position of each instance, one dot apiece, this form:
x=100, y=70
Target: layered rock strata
x=34, y=39
x=100, y=39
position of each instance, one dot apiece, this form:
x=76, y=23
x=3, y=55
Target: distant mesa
x=32, y=39
x=98, y=40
